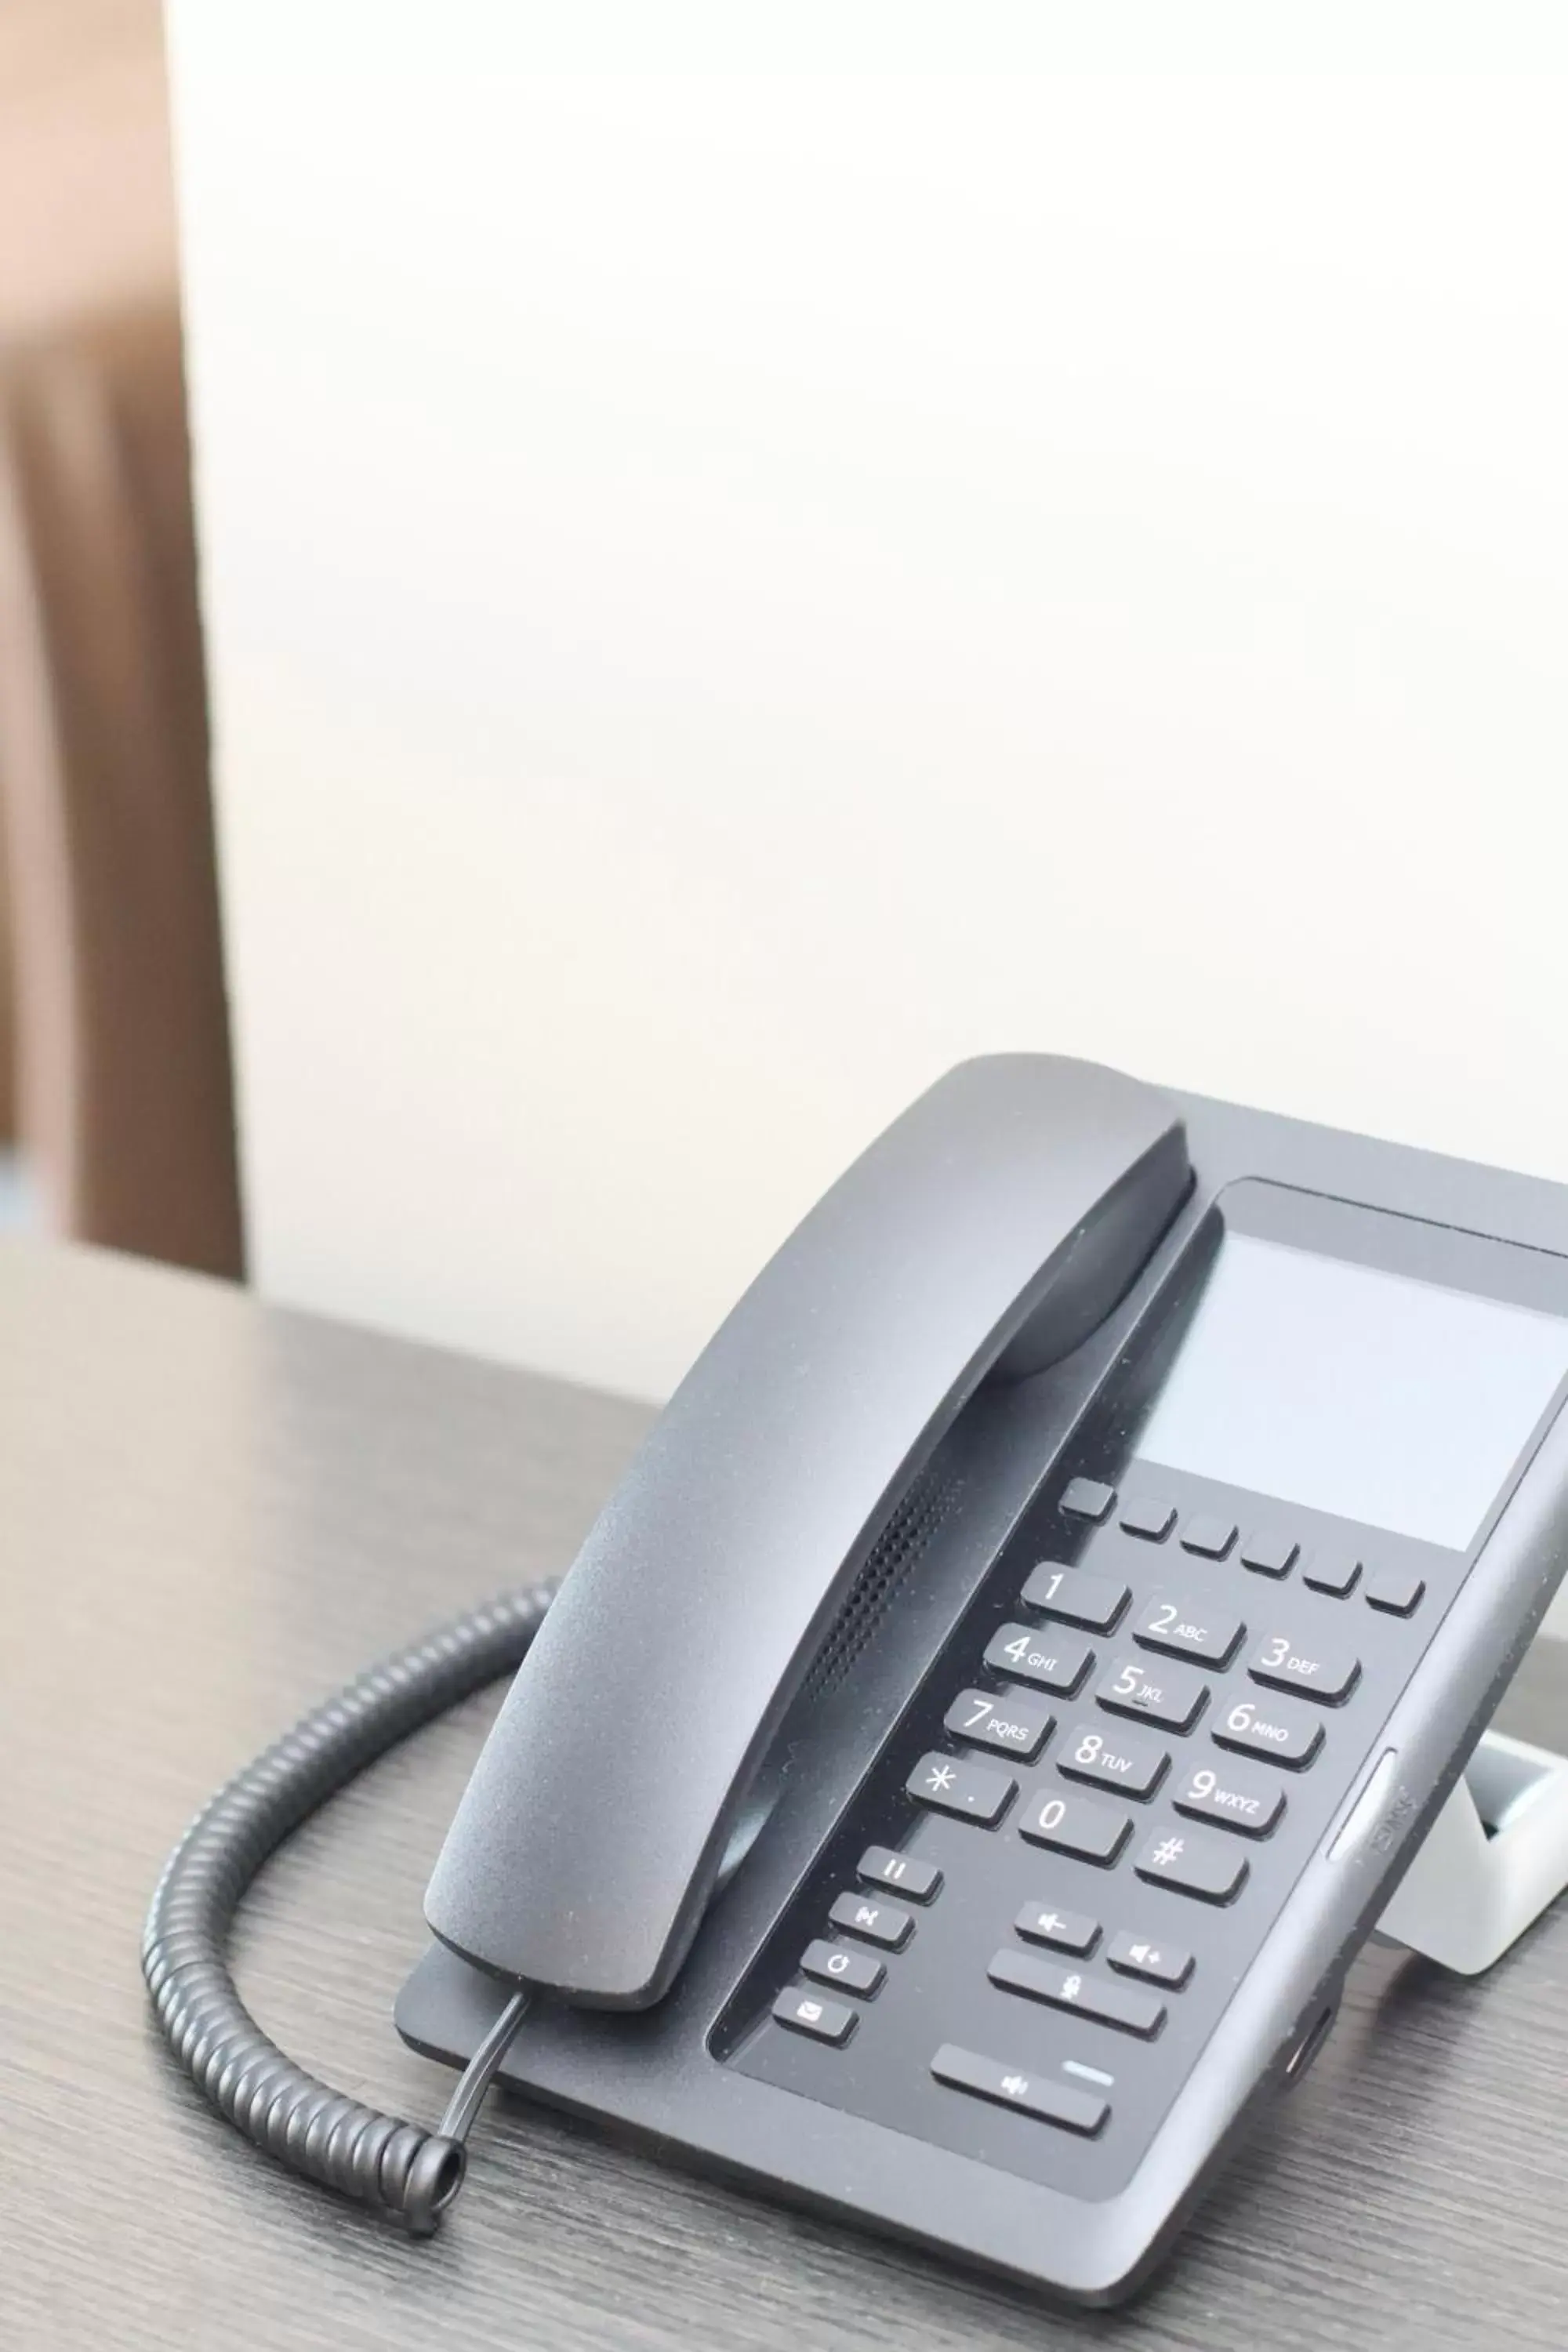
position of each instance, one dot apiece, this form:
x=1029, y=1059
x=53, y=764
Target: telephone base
x=1493, y=1860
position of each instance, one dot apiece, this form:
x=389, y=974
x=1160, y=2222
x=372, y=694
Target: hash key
x=1093, y=1601
x=1194, y=1862
x=970, y=1790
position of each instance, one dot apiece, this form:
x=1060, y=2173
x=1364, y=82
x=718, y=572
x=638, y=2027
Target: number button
x=1251, y=1802
x=1065, y=1931
x=1079, y=1825
x=1172, y=1695
x=879, y=1923
x=1055, y=1662
x=835, y=1964
x=1272, y=1728
x=970, y=1790
x=1189, y=1628
x=1194, y=1864
x=1016, y=1727
x=1096, y=1602
x=1324, y=1672
x=1129, y=1760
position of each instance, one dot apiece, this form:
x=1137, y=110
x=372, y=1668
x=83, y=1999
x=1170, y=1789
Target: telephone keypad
x=904, y=1873
x=1153, y=1692
x=879, y=1923
x=1193, y=1862
x=835, y=1964
x=1186, y=1627
x=973, y=1792
x=1054, y=1661
x=1232, y=1718
x=1321, y=1670
x=1077, y=1825
x=1107, y=2002
x=1095, y=1602
x=1013, y=1724
x=1113, y=1759
x=1064, y=1931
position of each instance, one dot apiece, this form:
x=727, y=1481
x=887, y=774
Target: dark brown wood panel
x=209, y=1514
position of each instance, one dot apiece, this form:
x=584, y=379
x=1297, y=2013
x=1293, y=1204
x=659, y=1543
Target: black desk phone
x=1021, y=1663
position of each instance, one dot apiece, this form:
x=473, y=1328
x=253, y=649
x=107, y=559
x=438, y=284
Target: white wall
x=725, y=596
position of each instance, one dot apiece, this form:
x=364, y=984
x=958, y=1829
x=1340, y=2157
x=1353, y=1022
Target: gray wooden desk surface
x=209, y=1514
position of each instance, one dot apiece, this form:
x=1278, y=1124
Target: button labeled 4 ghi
x=1053, y=1659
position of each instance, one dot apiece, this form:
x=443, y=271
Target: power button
x=1368, y=1810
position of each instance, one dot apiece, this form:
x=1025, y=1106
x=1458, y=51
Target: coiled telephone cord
x=398, y=2167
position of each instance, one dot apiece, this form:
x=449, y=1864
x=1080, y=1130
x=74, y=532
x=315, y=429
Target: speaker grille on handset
x=902, y=1540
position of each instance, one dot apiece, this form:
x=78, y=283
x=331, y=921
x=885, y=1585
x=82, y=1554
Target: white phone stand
x=1494, y=1858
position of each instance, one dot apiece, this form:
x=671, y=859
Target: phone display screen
x=1397, y=1403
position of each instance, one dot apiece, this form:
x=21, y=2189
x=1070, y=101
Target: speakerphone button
x=1029, y=2094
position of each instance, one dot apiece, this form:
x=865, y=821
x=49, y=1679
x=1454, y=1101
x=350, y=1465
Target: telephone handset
x=1005, y=1693
x=992, y=1227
